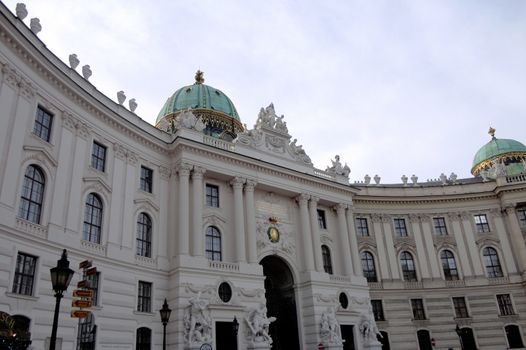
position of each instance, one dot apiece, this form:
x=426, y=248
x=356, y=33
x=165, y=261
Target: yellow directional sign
x=81, y=303
x=85, y=264
x=79, y=293
x=80, y=313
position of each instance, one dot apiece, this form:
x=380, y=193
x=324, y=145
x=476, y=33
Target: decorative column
x=467, y=220
x=304, y=235
x=344, y=240
x=430, y=248
x=316, y=245
x=380, y=247
x=239, y=220
x=459, y=238
x=251, y=221
x=419, y=242
x=389, y=243
x=355, y=253
x=197, y=211
x=516, y=237
x=183, y=220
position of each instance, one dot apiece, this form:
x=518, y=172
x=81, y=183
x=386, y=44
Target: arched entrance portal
x=281, y=303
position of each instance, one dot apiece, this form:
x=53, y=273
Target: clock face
x=206, y=346
x=273, y=234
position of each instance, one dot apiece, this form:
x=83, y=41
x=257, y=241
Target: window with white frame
x=87, y=333
x=481, y=223
x=378, y=310
x=461, y=308
x=98, y=156
x=43, y=123
x=24, y=274
x=326, y=257
x=212, y=196
x=449, y=265
x=32, y=196
x=144, y=235
x=144, y=297
x=213, y=243
x=369, y=270
x=143, y=340
x=322, y=221
x=521, y=213
x=492, y=262
x=92, y=227
x=361, y=227
x=146, y=181
x=408, y=267
x=505, y=305
x=417, y=306
x=440, y=226
x=400, y=227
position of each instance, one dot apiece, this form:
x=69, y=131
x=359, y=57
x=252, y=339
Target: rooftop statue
x=86, y=72
x=337, y=168
x=73, y=60
x=21, y=11
x=35, y=25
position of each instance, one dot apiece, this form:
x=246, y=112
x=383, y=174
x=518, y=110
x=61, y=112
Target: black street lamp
x=165, y=317
x=459, y=333
x=235, y=328
x=60, y=277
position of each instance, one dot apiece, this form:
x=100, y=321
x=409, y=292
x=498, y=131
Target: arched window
x=87, y=333
x=491, y=260
x=144, y=339
x=32, y=194
x=93, y=218
x=326, y=257
x=449, y=265
x=144, y=235
x=513, y=334
x=213, y=243
x=408, y=266
x=21, y=336
x=424, y=340
x=369, y=270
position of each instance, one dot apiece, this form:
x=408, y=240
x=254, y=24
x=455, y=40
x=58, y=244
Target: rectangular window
x=321, y=219
x=212, y=196
x=93, y=284
x=24, y=274
x=418, y=309
x=521, y=213
x=144, y=297
x=505, y=305
x=461, y=309
x=146, y=179
x=481, y=221
x=378, y=310
x=361, y=227
x=43, y=122
x=98, y=156
x=400, y=228
x=440, y=226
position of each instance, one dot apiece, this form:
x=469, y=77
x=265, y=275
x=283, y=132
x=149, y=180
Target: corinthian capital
x=250, y=184
x=198, y=172
x=237, y=182
x=302, y=199
x=183, y=169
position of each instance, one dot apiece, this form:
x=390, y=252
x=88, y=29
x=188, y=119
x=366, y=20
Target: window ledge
x=141, y=313
x=22, y=296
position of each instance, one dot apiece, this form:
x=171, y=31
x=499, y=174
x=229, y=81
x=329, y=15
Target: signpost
x=83, y=291
x=80, y=313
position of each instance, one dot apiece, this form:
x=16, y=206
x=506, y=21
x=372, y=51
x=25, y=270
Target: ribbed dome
x=198, y=96
x=500, y=149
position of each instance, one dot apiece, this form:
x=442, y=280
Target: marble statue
x=133, y=104
x=337, y=168
x=197, y=322
x=329, y=327
x=404, y=180
x=35, y=25
x=86, y=72
x=73, y=60
x=414, y=179
x=121, y=97
x=377, y=179
x=367, y=179
x=368, y=329
x=443, y=179
x=258, y=324
x=21, y=11
x=453, y=178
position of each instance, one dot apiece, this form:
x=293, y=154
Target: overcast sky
x=393, y=87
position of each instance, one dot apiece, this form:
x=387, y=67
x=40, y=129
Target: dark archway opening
x=281, y=303
x=467, y=338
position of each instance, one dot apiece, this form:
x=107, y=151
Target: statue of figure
x=336, y=167
x=453, y=178
x=346, y=170
x=198, y=324
x=259, y=323
x=121, y=97
x=35, y=25
x=368, y=329
x=498, y=167
x=73, y=61
x=133, y=104
x=443, y=178
x=281, y=125
x=21, y=11
x=271, y=115
x=86, y=71
x=329, y=327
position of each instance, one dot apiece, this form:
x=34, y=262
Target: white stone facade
x=263, y=180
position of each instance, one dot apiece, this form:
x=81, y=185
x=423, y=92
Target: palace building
x=227, y=222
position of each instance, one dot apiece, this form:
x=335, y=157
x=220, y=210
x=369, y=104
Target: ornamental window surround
x=43, y=124
x=481, y=223
x=408, y=267
x=400, y=227
x=98, y=156
x=213, y=244
x=439, y=224
x=212, y=196
x=361, y=227
x=326, y=257
x=369, y=270
x=32, y=196
x=24, y=274
x=146, y=181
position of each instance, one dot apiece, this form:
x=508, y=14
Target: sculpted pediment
x=97, y=183
x=41, y=152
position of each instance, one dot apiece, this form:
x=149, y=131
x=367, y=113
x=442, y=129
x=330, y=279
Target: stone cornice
x=430, y=199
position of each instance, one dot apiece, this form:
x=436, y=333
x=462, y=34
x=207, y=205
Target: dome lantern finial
x=491, y=131
x=199, y=79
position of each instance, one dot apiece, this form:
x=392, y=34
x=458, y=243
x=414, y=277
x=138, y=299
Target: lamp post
x=165, y=317
x=60, y=277
x=459, y=333
x=235, y=328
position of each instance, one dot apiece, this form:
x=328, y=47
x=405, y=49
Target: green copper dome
x=497, y=149
x=198, y=97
